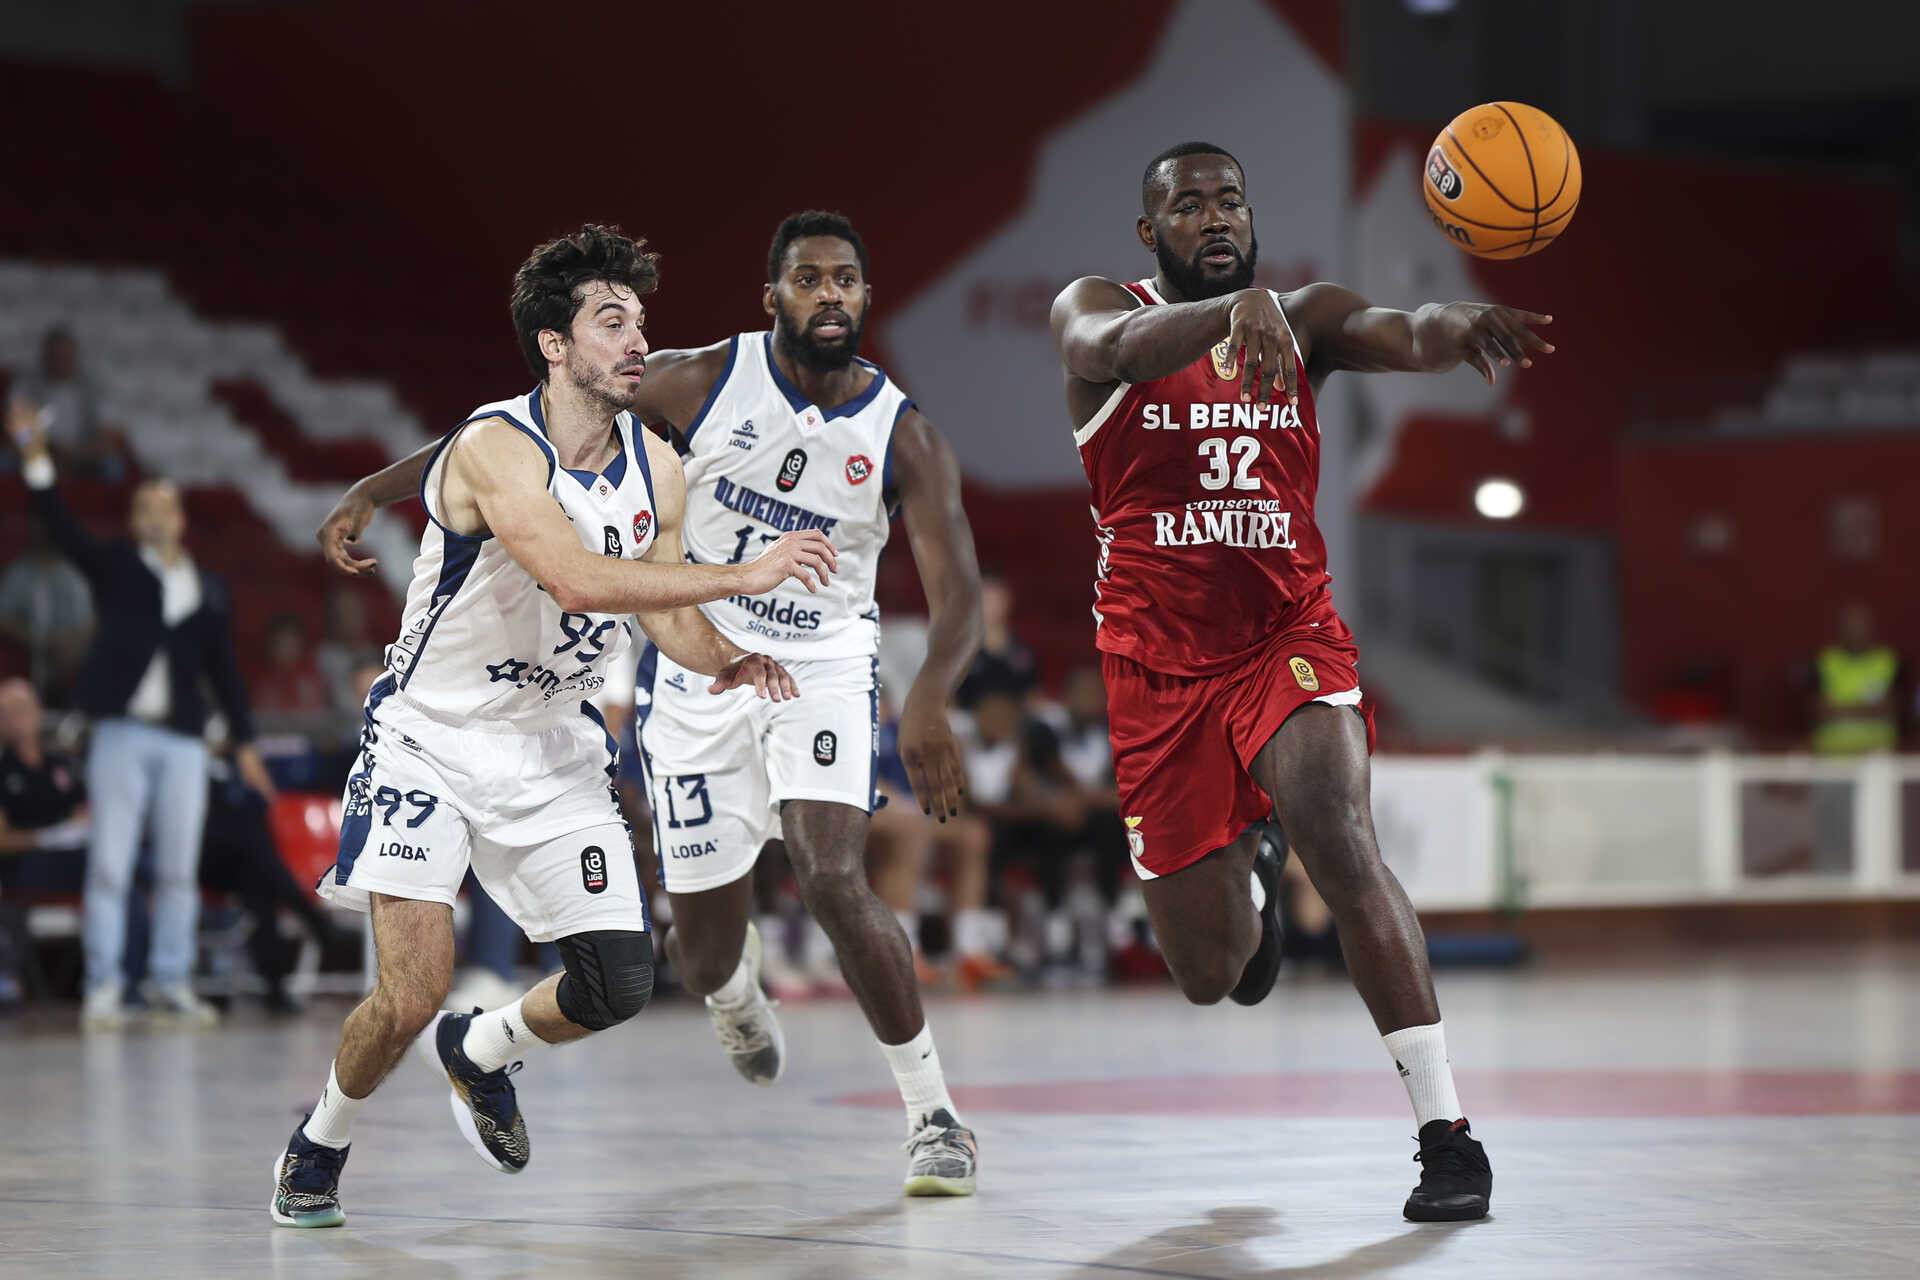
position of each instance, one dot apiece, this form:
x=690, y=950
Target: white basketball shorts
x=530, y=807
x=719, y=766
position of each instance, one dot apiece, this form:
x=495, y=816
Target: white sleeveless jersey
x=480, y=640
x=761, y=461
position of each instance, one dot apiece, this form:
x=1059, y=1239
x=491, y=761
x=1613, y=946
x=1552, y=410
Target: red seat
x=306, y=825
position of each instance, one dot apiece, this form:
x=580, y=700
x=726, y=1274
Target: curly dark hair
x=813, y=222
x=548, y=285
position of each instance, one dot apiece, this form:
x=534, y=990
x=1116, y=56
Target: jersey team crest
x=1226, y=362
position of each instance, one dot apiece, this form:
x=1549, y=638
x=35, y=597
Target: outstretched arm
x=494, y=470
x=685, y=634
x=1339, y=329
x=1105, y=336
x=348, y=519
x=942, y=543
x=28, y=427
x=675, y=385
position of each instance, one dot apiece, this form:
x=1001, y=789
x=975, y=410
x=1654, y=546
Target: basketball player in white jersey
x=553, y=517
x=785, y=430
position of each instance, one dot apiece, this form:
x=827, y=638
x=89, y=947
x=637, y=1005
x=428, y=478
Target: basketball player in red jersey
x=1233, y=694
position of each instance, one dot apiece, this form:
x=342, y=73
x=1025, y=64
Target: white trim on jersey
x=1098, y=420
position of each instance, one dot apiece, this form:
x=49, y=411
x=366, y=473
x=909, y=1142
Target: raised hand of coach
x=805, y=555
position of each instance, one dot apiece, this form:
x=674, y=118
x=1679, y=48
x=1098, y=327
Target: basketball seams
x=1456, y=216
x=1566, y=169
x=1533, y=177
x=1483, y=237
x=1468, y=157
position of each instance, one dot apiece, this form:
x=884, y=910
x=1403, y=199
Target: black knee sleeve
x=608, y=979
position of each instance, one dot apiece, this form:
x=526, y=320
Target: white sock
x=973, y=932
x=499, y=1036
x=331, y=1124
x=916, y=1069
x=1259, y=895
x=1421, y=1055
x=736, y=989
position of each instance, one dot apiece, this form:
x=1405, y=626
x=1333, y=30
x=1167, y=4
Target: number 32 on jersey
x=1229, y=461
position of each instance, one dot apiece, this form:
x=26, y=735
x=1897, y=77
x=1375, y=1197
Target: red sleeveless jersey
x=1204, y=510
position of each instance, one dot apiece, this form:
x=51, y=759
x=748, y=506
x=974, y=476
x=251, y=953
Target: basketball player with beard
x=1234, y=698
x=785, y=430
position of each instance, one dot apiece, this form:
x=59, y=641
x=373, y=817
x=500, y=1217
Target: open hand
x=932, y=756
x=342, y=528
x=27, y=427
x=806, y=556
x=1263, y=343
x=1485, y=334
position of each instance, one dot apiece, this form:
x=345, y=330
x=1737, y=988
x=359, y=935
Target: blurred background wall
x=325, y=203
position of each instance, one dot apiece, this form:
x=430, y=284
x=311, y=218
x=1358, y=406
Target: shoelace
x=747, y=1034
x=494, y=1088
x=1447, y=1159
x=939, y=1137
x=315, y=1172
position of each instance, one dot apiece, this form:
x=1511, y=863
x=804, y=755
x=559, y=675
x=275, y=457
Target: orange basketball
x=1503, y=180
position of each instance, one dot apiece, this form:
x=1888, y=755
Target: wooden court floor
x=1751, y=1114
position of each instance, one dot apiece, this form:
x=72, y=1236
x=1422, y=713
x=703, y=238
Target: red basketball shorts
x=1182, y=744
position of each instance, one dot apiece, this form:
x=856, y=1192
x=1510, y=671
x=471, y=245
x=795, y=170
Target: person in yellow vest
x=1856, y=690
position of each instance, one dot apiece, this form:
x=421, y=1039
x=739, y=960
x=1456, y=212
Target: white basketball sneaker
x=103, y=1009
x=748, y=1031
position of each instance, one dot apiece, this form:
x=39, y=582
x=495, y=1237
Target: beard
x=1191, y=278
x=811, y=353
x=608, y=392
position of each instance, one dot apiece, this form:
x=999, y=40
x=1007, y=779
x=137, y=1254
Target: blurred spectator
x=1003, y=665
x=165, y=626
x=45, y=612
x=43, y=828
x=1086, y=750
x=43, y=802
x=1013, y=782
x=240, y=856
x=291, y=686
x=69, y=403
x=1857, y=683
x=904, y=844
x=347, y=647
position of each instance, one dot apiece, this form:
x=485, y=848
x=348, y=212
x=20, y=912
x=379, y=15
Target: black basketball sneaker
x=306, y=1183
x=1269, y=856
x=1456, y=1181
x=483, y=1102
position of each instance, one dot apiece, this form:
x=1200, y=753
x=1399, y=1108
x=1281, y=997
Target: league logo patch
x=825, y=745
x=859, y=467
x=613, y=541
x=1226, y=361
x=1444, y=177
x=642, y=526
x=791, y=467
x=593, y=869
x=1136, y=843
x=1303, y=674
